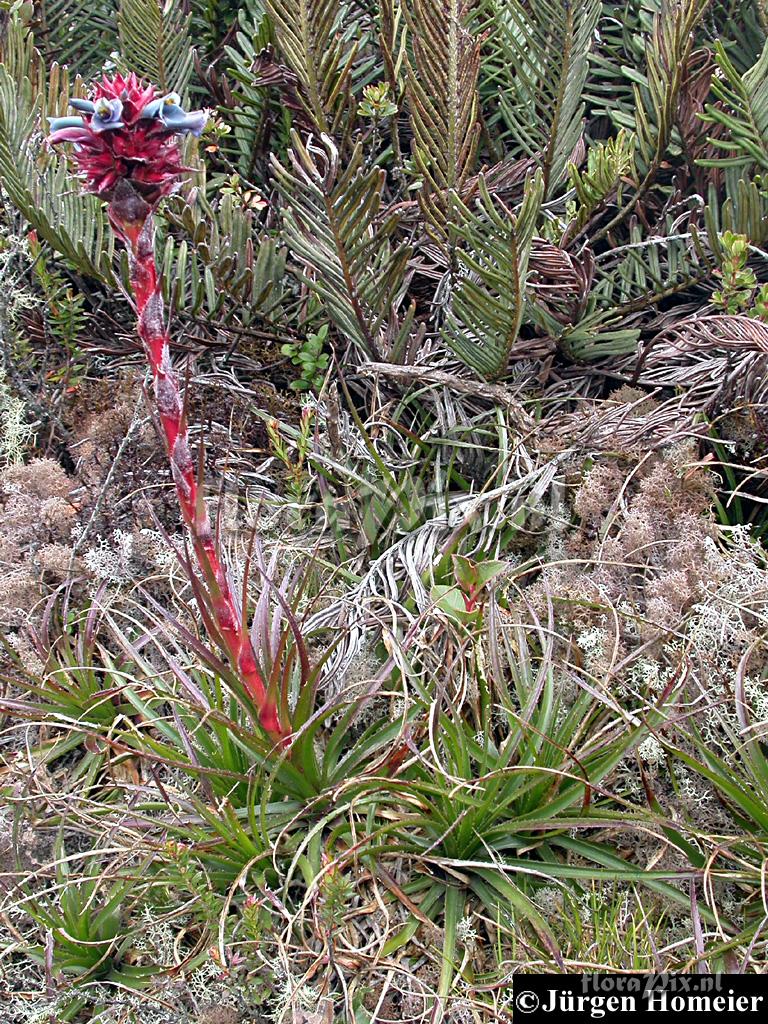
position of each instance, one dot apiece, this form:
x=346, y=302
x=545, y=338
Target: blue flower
x=59, y=123
x=193, y=122
x=106, y=115
x=168, y=109
x=157, y=107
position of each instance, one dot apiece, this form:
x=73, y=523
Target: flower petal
x=152, y=109
x=86, y=106
x=59, y=123
x=193, y=122
x=77, y=135
x=160, y=106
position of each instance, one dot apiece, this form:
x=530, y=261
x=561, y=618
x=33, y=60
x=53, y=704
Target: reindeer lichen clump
x=126, y=148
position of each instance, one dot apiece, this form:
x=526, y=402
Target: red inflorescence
x=134, y=147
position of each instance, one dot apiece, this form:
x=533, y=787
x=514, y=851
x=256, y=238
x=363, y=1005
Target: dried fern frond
x=346, y=254
x=626, y=423
x=721, y=361
x=398, y=576
x=560, y=281
x=442, y=97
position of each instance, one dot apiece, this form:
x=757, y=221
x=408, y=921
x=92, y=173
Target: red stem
x=137, y=231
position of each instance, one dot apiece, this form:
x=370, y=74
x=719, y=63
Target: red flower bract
x=143, y=151
x=131, y=91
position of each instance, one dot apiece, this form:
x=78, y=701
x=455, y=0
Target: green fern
x=37, y=181
x=657, y=92
x=77, y=33
x=249, y=117
x=442, y=93
x=741, y=25
x=343, y=249
x=309, y=38
x=621, y=29
x=607, y=163
x=742, y=112
x=537, y=57
x=743, y=210
x=647, y=269
x=220, y=269
x=487, y=308
x=155, y=41
x=212, y=21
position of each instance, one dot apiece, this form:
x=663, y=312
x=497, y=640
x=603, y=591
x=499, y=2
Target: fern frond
x=330, y=223
x=248, y=117
x=155, y=41
x=742, y=112
x=718, y=361
x=77, y=33
x=621, y=31
x=537, y=57
x=487, y=307
x=212, y=21
x=742, y=25
x=657, y=93
x=392, y=42
x=220, y=269
x=598, y=335
x=607, y=163
x=744, y=211
x=38, y=182
x=645, y=270
x=309, y=38
x=442, y=93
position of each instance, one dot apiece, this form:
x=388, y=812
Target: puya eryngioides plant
x=125, y=141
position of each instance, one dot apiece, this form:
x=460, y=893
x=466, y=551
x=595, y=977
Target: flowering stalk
x=127, y=151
